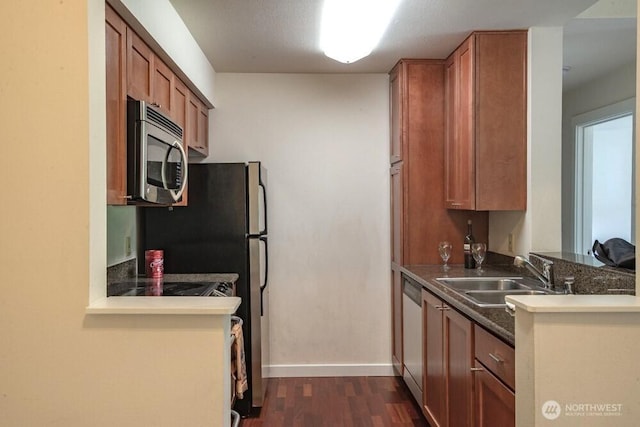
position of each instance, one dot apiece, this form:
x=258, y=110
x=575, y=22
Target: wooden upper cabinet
x=148, y=77
x=197, y=127
x=179, y=105
x=116, y=94
x=200, y=145
x=191, y=124
x=486, y=127
x=162, y=88
x=140, y=68
x=459, y=149
x=395, y=101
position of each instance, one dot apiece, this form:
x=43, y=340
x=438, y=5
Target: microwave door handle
x=176, y=194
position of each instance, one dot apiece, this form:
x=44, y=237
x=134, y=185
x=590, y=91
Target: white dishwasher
x=412, y=336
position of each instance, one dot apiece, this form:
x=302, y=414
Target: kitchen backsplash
x=590, y=276
x=121, y=234
x=122, y=271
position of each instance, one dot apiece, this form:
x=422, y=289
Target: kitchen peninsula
x=196, y=326
x=576, y=360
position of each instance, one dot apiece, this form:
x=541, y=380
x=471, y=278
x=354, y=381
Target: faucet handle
x=568, y=284
x=547, y=270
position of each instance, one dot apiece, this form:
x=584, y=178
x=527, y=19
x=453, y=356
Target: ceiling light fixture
x=351, y=29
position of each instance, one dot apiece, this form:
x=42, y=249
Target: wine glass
x=479, y=251
x=445, y=252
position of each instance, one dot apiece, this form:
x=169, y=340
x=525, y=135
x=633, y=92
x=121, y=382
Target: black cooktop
x=150, y=287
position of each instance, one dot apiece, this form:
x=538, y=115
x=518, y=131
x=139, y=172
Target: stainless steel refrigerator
x=222, y=230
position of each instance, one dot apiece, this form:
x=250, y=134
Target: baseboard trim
x=343, y=370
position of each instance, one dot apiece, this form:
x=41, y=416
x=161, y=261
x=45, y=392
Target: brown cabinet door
x=201, y=143
x=162, y=86
x=434, y=389
x=458, y=354
x=396, y=110
x=486, y=124
x=116, y=93
x=459, y=139
x=495, y=403
x=397, y=214
x=396, y=320
x=500, y=121
x=140, y=68
x=179, y=105
x=191, y=121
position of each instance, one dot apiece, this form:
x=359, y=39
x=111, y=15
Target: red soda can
x=154, y=263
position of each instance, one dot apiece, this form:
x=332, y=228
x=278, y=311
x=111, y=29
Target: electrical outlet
x=510, y=242
x=127, y=245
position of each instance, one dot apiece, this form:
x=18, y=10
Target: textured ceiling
x=593, y=47
x=281, y=36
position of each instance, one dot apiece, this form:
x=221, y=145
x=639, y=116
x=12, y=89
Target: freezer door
x=255, y=275
x=257, y=196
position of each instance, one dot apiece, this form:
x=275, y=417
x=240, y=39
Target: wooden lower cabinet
x=434, y=386
x=494, y=381
x=397, y=358
x=495, y=403
x=469, y=374
x=448, y=356
x=458, y=356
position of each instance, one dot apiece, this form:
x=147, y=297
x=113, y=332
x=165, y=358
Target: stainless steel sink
x=496, y=298
x=484, y=283
x=490, y=291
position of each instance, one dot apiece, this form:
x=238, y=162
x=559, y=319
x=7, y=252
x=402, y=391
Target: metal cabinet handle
x=476, y=369
x=496, y=358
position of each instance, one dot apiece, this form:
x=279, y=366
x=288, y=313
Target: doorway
x=605, y=175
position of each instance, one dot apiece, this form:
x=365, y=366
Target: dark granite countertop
x=150, y=286
x=495, y=320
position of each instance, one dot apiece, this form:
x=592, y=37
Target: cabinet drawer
x=495, y=355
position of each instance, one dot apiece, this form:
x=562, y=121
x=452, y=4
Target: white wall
x=59, y=366
x=324, y=141
x=538, y=229
x=614, y=87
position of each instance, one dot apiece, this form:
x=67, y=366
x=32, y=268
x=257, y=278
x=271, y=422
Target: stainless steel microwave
x=156, y=159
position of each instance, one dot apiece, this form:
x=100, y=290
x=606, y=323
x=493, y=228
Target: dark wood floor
x=337, y=401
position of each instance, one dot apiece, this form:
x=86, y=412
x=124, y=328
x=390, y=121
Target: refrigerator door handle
x=263, y=232
x=266, y=273
x=266, y=262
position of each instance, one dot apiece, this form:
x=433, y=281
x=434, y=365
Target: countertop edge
x=214, y=306
x=472, y=313
x=577, y=303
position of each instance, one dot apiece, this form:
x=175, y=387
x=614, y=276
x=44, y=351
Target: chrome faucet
x=545, y=276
